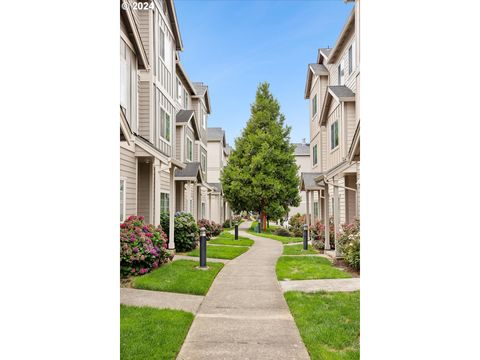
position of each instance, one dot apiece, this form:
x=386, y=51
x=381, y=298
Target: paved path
x=244, y=315
x=159, y=299
x=196, y=258
x=352, y=284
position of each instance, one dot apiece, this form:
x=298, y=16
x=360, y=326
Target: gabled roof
x=307, y=181
x=301, y=149
x=346, y=31
x=314, y=70
x=323, y=54
x=183, y=76
x=341, y=93
x=191, y=172
x=201, y=90
x=217, y=187
x=216, y=134
x=174, y=24
x=183, y=117
x=134, y=35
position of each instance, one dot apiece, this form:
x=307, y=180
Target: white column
x=336, y=214
x=326, y=217
x=319, y=192
x=312, y=194
x=210, y=205
x=308, y=212
x=156, y=191
x=171, y=233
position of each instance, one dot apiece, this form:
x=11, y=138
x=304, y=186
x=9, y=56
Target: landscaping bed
x=147, y=333
x=307, y=268
x=220, y=252
x=180, y=276
x=329, y=323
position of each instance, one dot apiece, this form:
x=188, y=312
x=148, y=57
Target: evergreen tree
x=261, y=174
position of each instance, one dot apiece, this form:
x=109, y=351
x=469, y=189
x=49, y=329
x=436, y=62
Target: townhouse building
x=302, y=159
x=163, y=120
x=333, y=88
x=218, y=152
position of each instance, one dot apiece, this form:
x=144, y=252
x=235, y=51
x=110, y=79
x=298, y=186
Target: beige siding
x=144, y=109
x=178, y=144
x=350, y=122
x=165, y=182
x=351, y=212
x=128, y=170
x=144, y=190
x=334, y=157
x=144, y=25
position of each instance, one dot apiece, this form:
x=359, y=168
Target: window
x=314, y=105
x=334, y=135
x=203, y=210
x=204, y=162
x=350, y=59
x=161, y=47
x=185, y=99
x=340, y=74
x=189, y=149
x=164, y=125
x=190, y=206
x=179, y=90
x=315, y=210
x=128, y=84
x=204, y=120
x=164, y=202
x=122, y=199
x=315, y=155
x=168, y=53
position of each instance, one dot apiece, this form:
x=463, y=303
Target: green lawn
x=226, y=238
x=306, y=268
x=298, y=250
x=180, y=276
x=269, y=234
x=147, y=333
x=329, y=323
x=220, y=252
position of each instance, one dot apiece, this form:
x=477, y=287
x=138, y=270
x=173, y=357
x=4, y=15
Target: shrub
x=211, y=228
x=282, y=232
x=317, y=234
x=186, y=230
x=296, y=224
x=226, y=224
x=349, y=244
x=216, y=228
x=142, y=247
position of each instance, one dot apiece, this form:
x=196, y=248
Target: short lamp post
x=305, y=237
x=203, y=248
x=236, y=230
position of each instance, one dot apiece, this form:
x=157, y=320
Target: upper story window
x=315, y=154
x=334, y=135
x=179, y=90
x=189, y=149
x=314, y=105
x=128, y=84
x=168, y=53
x=340, y=74
x=161, y=44
x=185, y=99
x=204, y=162
x=165, y=125
x=350, y=59
x=204, y=120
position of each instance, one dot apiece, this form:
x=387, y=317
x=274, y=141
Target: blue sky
x=232, y=46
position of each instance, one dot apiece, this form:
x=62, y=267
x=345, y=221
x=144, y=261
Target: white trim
x=186, y=155
x=124, y=179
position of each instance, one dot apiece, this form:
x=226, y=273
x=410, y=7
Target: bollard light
x=203, y=248
x=305, y=237
x=236, y=231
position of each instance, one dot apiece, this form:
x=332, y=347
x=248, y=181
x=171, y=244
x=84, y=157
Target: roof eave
x=350, y=24
x=137, y=40
x=174, y=21
x=185, y=77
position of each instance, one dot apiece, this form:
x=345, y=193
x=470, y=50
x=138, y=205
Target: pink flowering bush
x=211, y=228
x=349, y=244
x=143, y=247
x=317, y=234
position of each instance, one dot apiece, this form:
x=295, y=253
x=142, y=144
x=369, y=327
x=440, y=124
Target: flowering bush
x=186, y=230
x=317, y=234
x=282, y=232
x=349, y=244
x=142, y=247
x=211, y=228
x=296, y=224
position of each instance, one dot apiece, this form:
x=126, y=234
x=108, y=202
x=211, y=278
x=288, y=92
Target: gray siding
x=128, y=170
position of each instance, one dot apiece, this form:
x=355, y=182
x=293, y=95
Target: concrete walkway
x=161, y=300
x=352, y=284
x=244, y=315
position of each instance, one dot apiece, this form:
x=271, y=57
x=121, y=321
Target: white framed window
x=314, y=105
x=204, y=162
x=179, y=90
x=128, y=84
x=334, y=135
x=315, y=209
x=165, y=125
x=350, y=59
x=161, y=45
x=123, y=197
x=164, y=202
x=189, y=149
x=315, y=155
x=185, y=98
x=340, y=74
x=204, y=120
x=168, y=52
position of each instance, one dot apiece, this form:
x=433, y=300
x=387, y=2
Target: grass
x=269, y=234
x=329, y=323
x=298, y=250
x=307, y=268
x=180, y=276
x=220, y=252
x=226, y=238
x=147, y=333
